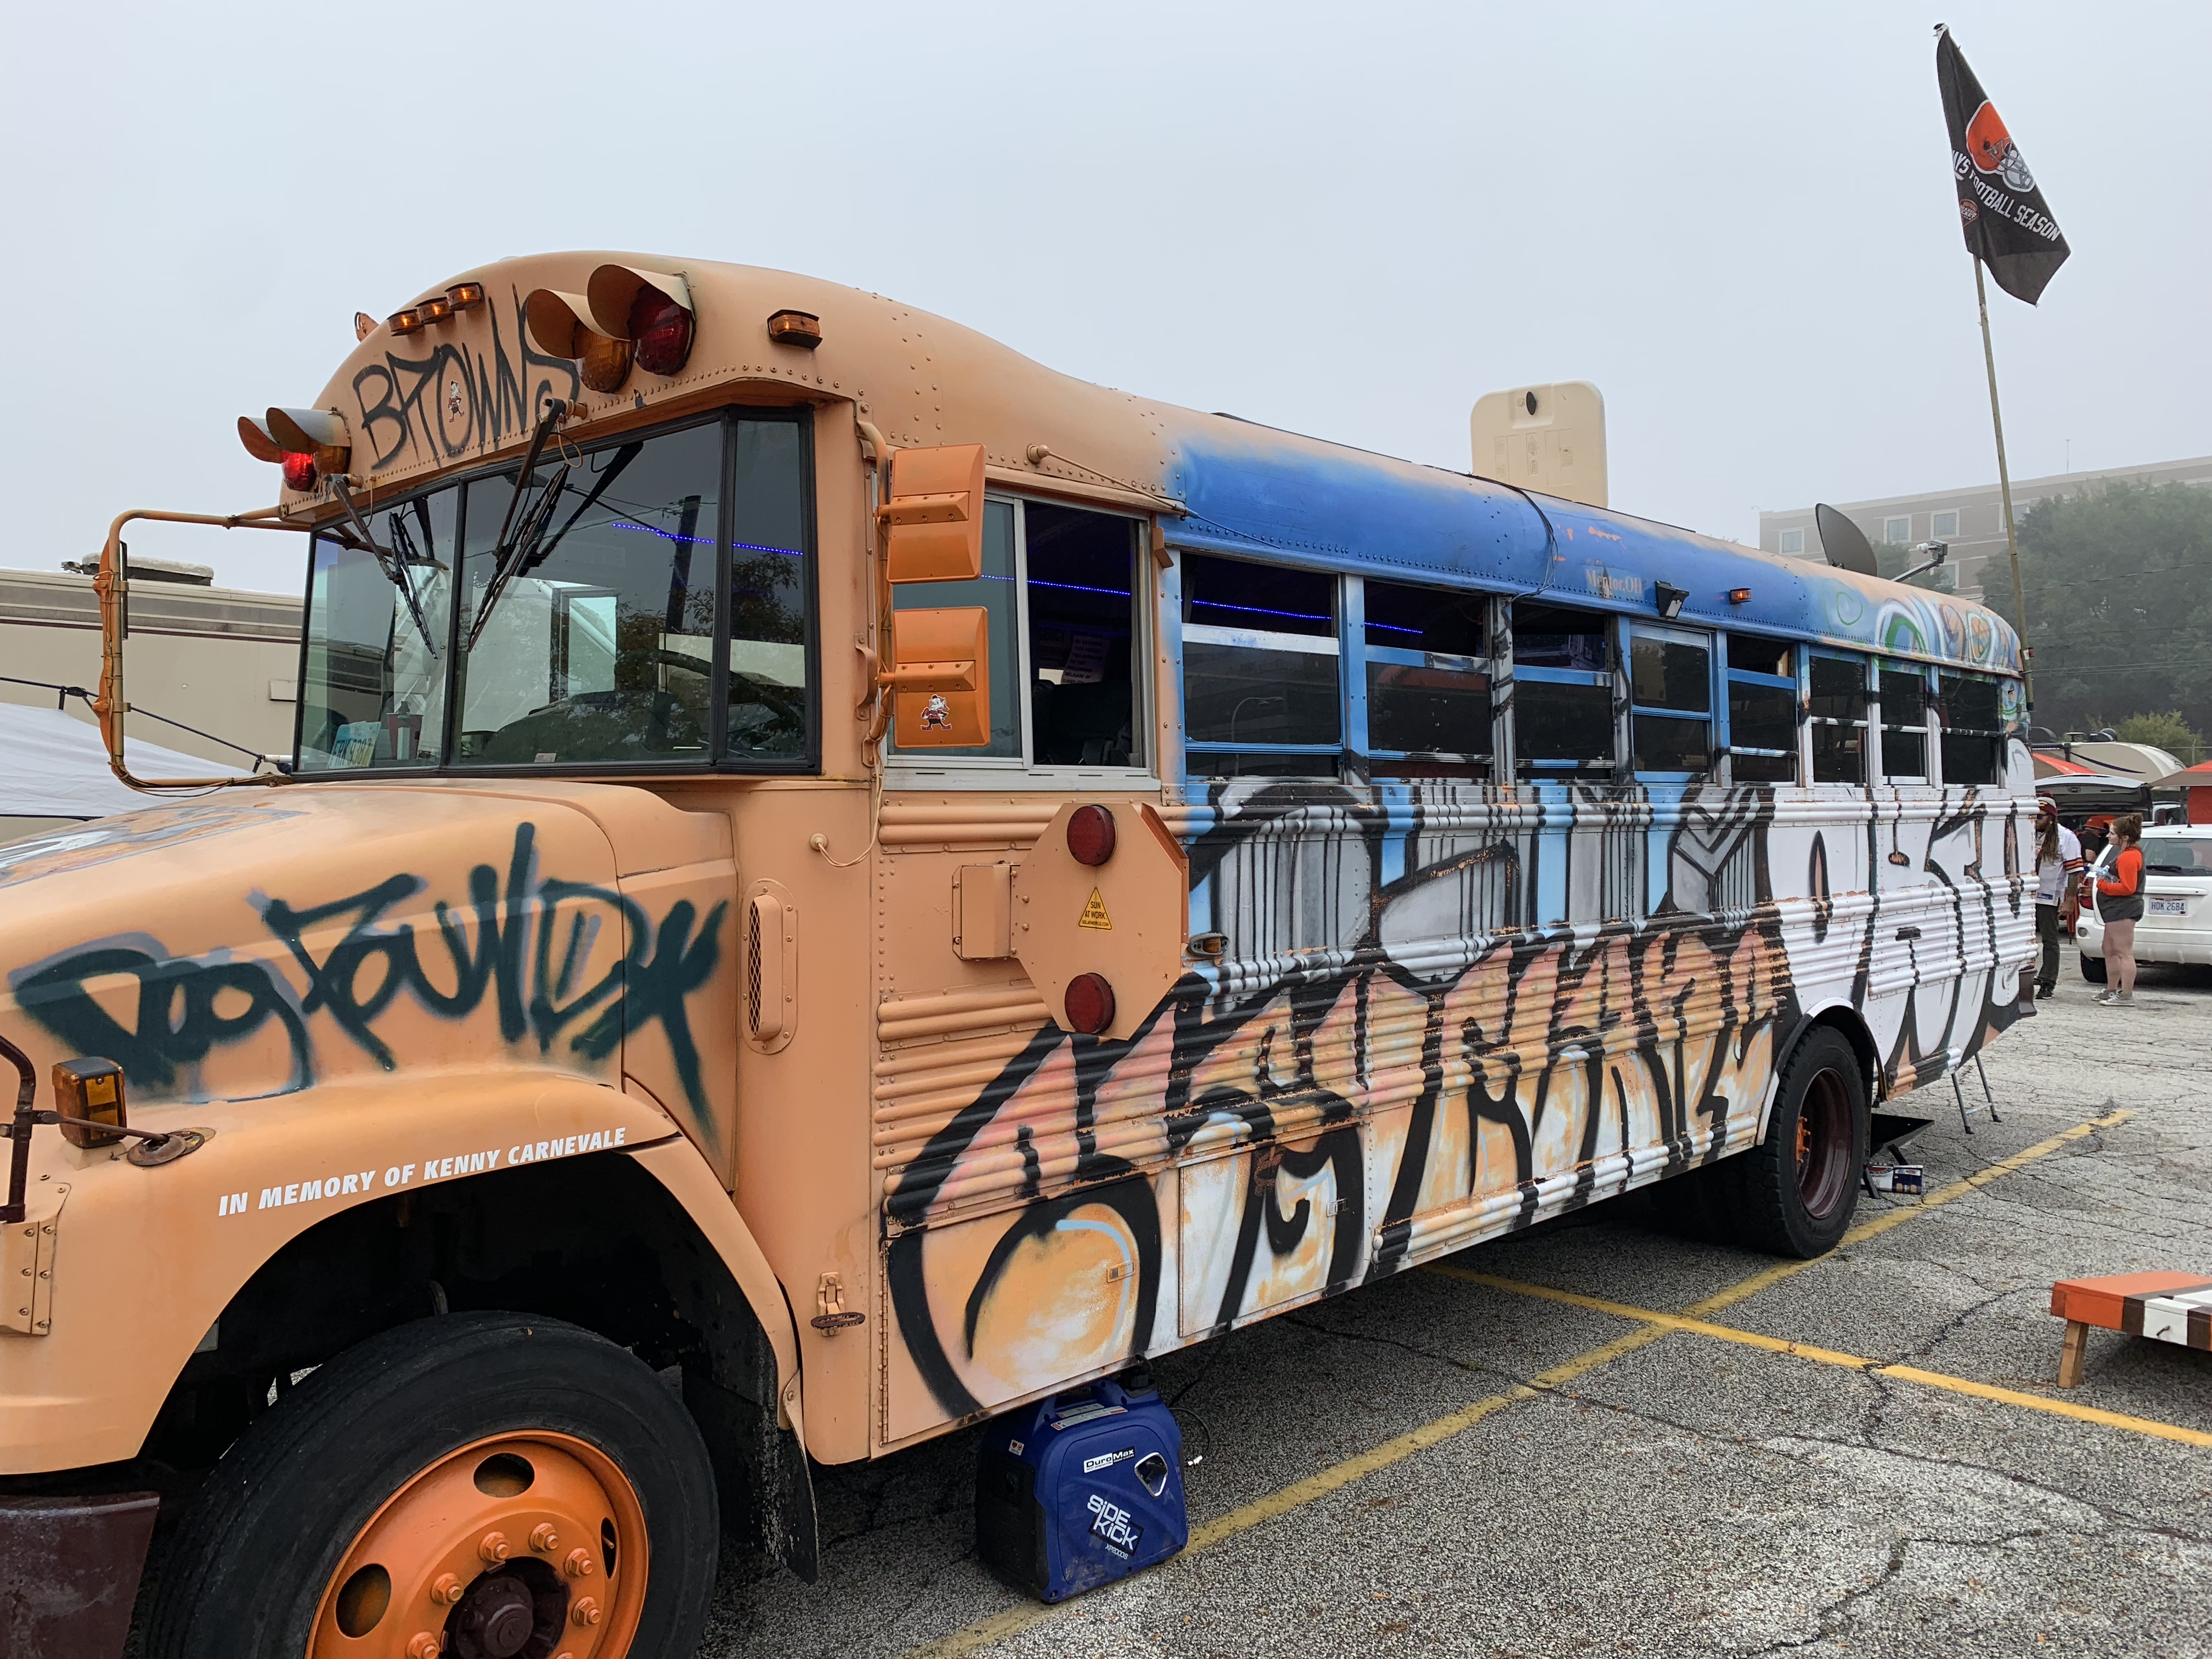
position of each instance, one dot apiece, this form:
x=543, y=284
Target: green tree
x=2119, y=595
x=2168, y=731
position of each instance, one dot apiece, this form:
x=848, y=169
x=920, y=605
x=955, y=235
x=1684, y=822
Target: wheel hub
x=528, y=1545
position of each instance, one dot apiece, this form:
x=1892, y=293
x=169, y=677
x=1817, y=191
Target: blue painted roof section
x=1261, y=493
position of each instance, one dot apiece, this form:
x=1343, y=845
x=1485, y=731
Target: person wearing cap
x=2057, y=888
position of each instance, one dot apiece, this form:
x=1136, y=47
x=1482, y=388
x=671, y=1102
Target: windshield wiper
x=515, y=540
x=394, y=565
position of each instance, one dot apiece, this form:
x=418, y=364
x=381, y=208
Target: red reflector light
x=299, y=472
x=1739, y=596
x=660, y=329
x=1091, y=835
x=1089, y=1004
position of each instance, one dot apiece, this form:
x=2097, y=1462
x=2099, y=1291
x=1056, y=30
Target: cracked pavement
x=1691, y=1495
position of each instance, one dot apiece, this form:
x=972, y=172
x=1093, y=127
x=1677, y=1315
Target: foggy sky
x=1345, y=220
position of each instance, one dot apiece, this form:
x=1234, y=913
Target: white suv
x=2176, y=923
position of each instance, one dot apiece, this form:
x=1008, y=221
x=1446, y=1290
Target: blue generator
x=1080, y=1489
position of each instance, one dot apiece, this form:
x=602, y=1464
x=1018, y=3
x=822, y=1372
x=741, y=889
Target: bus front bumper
x=68, y=1573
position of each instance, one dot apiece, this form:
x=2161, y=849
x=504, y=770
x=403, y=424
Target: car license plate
x=2173, y=907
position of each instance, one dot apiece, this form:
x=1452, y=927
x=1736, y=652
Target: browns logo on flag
x=2008, y=226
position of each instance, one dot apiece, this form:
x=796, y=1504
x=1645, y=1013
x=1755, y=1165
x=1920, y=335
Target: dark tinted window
x=1839, y=689
x=1425, y=619
x=1553, y=722
x=1553, y=636
x=1266, y=597
x=1082, y=637
x=1754, y=655
x=1762, y=717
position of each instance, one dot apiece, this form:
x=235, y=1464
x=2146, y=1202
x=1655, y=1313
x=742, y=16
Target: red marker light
x=1091, y=835
x=1089, y=1004
x=299, y=472
x=660, y=330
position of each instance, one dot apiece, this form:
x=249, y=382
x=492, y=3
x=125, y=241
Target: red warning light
x=299, y=472
x=1089, y=1004
x=660, y=330
x=1091, y=835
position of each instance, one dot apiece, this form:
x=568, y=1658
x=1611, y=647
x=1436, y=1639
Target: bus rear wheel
x=486, y=1484
x=1797, y=1191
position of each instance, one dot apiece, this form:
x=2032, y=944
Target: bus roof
x=462, y=392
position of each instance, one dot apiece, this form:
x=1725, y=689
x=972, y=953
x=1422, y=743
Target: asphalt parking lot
x=1455, y=1461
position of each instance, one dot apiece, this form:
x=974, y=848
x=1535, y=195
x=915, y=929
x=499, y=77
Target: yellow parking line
x=1666, y=1322
x=969, y=1639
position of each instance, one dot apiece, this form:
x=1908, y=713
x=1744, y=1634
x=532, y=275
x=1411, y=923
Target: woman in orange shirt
x=2119, y=906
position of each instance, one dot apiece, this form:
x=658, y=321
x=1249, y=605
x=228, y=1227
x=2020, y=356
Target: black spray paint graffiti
x=444, y=405
x=1538, y=1017
x=522, y=946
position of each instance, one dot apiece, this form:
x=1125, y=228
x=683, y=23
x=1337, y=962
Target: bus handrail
x=110, y=584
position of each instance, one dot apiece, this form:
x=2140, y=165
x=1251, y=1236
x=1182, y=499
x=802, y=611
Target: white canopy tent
x=54, y=766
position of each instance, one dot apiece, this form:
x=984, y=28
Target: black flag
x=2008, y=226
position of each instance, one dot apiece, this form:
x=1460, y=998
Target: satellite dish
x=1844, y=542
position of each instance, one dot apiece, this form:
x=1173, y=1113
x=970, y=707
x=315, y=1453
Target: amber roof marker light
x=795, y=328
x=466, y=296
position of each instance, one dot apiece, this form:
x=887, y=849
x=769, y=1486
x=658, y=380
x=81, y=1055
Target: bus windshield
x=587, y=615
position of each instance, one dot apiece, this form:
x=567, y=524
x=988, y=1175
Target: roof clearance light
x=465, y=296
x=660, y=329
x=436, y=309
x=1739, y=596
x=299, y=472
x=795, y=328
x=560, y=324
x=408, y=321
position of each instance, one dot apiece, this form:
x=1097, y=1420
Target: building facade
x=1972, y=521
x=220, y=660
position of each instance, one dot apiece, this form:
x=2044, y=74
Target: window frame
x=1350, y=702
x=1936, y=533
x=1608, y=678
x=1782, y=542
x=1887, y=520
x=1930, y=772
x=1945, y=730
x=1713, y=643
x=1869, y=726
x=1352, y=609
x=1795, y=683
x=716, y=761
x=950, y=768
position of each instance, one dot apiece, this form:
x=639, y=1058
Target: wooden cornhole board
x=2166, y=1307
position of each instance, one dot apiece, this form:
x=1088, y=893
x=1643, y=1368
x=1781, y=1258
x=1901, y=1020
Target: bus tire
x=2092, y=969
x=1795, y=1192
x=485, y=1475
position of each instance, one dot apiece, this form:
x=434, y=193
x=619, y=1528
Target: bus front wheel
x=487, y=1484
x=1797, y=1191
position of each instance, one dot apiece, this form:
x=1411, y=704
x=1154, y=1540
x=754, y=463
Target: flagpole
x=2004, y=483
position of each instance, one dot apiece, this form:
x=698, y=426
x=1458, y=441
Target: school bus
x=834, y=881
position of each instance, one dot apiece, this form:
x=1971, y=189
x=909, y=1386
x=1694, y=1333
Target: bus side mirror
x=939, y=673
x=933, y=516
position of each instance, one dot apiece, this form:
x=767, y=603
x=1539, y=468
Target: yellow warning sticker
x=1094, y=914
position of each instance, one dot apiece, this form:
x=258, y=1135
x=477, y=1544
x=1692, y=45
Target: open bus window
x=1563, y=689
x=1903, y=698
x=598, y=644
x=1081, y=569
x=1762, y=690
x=373, y=689
x=1428, y=682
x=1670, y=679
x=1839, y=715
x=1973, y=729
x=1259, y=664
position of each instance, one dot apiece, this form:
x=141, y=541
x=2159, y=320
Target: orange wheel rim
x=526, y=1546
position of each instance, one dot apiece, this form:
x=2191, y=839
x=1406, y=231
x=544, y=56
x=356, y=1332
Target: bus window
x=1670, y=680
x=1973, y=730
x=374, y=693
x=995, y=591
x=1259, y=670
x=1904, y=699
x=1762, y=687
x=1563, y=689
x=768, y=591
x=1838, y=719
x=1428, y=682
x=595, y=641
x=1080, y=571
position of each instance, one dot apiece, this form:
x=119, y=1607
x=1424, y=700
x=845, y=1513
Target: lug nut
x=579, y=1563
x=447, y=1590
x=494, y=1548
x=586, y=1611
x=421, y=1645
x=543, y=1539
